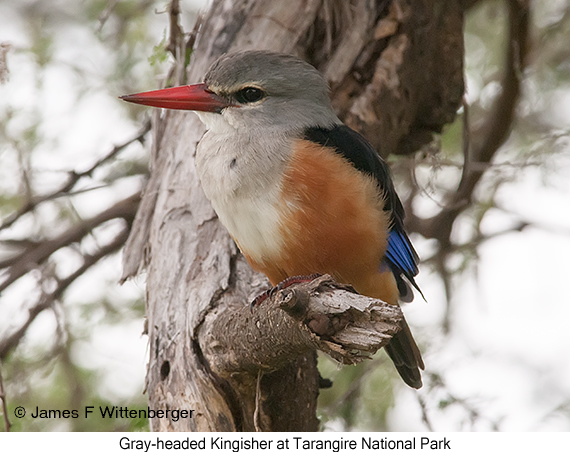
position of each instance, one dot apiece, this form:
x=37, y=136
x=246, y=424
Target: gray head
x=251, y=91
x=267, y=89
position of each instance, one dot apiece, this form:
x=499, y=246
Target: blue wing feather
x=401, y=254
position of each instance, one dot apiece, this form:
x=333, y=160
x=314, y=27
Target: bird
x=298, y=190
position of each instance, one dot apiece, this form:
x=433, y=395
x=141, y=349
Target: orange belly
x=331, y=221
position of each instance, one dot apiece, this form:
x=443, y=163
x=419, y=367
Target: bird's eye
x=249, y=94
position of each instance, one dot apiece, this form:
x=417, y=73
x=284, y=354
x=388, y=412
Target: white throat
x=241, y=175
x=215, y=122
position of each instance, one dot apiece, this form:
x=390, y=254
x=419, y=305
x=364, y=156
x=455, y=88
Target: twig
x=5, y=47
x=104, y=16
x=73, y=178
x=495, y=129
x=47, y=299
x=31, y=258
x=257, y=411
x=176, y=43
x=479, y=239
x=473, y=412
x=466, y=138
x=354, y=387
x=7, y=424
x=176, y=34
x=423, y=407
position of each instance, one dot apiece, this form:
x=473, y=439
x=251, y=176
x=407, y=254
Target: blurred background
x=73, y=159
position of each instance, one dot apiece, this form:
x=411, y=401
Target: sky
x=508, y=352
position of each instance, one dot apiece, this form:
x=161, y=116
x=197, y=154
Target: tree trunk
x=395, y=69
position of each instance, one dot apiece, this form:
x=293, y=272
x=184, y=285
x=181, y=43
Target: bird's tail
x=406, y=355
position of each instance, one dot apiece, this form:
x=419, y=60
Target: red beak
x=190, y=97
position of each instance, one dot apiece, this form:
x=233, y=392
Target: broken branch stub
x=347, y=326
x=321, y=314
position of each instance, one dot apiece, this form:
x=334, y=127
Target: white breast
x=253, y=223
x=242, y=179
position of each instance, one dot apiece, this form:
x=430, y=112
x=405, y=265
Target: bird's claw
x=261, y=298
x=282, y=285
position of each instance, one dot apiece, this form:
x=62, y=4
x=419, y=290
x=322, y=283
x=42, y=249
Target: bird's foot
x=282, y=285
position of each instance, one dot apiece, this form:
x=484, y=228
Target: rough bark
x=395, y=69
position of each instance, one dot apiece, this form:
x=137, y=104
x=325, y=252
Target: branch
x=321, y=314
x=7, y=424
x=47, y=299
x=494, y=131
x=176, y=35
x=73, y=178
x=5, y=47
x=31, y=258
x=448, y=399
x=104, y=16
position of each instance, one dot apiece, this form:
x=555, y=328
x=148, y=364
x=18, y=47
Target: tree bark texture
x=395, y=69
